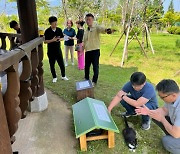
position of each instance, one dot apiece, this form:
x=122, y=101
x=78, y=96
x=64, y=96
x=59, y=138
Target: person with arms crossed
x=135, y=93
x=168, y=116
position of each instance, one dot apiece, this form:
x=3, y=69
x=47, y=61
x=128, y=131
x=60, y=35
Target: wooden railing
x=12, y=38
x=23, y=84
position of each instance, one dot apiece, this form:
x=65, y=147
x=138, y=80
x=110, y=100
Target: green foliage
x=178, y=43
x=171, y=6
x=170, y=18
x=134, y=30
x=5, y=20
x=174, y=30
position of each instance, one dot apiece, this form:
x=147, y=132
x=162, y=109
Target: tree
x=171, y=6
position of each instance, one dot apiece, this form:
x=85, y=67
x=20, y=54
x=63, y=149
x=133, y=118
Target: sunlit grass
x=163, y=64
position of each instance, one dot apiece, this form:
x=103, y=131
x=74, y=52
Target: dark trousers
x=92, y=57
x=56, y=56
x=170, y=143
x=131, y=109
x=161, y=125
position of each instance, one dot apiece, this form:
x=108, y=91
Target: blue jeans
x=131, y=109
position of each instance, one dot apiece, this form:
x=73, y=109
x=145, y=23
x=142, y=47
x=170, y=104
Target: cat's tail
x=125, y=121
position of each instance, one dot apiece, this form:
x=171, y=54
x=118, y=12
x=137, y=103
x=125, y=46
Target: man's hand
x=110, y=31
x=142, y=110
x=157, y=115
x=109, y=110
x=55, y=39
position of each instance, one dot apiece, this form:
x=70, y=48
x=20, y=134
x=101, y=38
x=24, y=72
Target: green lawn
x=163, y=64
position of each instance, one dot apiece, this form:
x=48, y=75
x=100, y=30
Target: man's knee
x=170, y=145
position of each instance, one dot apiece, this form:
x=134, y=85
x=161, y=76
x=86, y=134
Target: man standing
x=53, y=36
x=134, y=94
x=91, y=43
x=168, y=116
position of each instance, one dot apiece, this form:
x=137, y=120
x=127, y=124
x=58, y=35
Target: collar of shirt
x=177, y=102
x=91, y=28
x=53, y=29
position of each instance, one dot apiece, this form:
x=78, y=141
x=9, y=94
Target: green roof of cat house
x=90, y=114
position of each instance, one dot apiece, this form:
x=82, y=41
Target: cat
x=129, y=135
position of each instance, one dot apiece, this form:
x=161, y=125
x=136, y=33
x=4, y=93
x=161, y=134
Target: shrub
x=174, y=30
x=178, y=43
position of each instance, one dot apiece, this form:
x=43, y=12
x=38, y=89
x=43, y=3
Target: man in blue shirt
x=134, y=94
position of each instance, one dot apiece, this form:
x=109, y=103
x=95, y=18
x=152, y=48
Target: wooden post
x=83, y=143
x=34, y=75
x=25, y=90
x=117, y=43
x=143, y=51
x=127, y=35
x=40, y=88
x=3, y=42
x=5, y=143
x=12, y=43
x=11, y=99
x=111, y=139
x=148, y=35
x=28, y=19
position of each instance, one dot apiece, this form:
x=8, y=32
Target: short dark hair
x=13, y=23
x=138, y=78
x=52, y=19
x=167, y=86
x=90, y=15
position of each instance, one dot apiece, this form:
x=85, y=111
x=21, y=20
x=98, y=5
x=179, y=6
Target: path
x=47, y=132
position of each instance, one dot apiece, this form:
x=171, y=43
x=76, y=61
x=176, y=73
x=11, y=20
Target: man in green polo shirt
x=91, y=43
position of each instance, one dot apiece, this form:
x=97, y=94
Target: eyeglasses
x=162, y=97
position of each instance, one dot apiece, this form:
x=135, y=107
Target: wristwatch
x=123, y=96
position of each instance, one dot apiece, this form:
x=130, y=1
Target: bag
x=77, y=47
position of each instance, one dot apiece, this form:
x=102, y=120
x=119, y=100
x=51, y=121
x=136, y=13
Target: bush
x=174, y=30
x=178, y=43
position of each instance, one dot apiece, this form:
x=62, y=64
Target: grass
x=163, y=64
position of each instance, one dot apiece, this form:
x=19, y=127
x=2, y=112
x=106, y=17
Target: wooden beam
x=99, y=137
x=111, y=139
x=83, y=143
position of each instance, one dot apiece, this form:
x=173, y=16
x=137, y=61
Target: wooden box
x=84, y=89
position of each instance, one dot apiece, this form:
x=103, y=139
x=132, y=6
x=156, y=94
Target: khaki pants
x=67, y=49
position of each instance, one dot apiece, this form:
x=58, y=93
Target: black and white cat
x=129, y=135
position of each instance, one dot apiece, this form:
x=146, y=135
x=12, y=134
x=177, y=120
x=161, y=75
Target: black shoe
x=126, y=114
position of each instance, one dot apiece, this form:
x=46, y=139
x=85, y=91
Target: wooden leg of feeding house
x=111, y=140
x=83, y=143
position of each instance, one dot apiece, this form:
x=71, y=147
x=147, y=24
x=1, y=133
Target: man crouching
x=168, y=116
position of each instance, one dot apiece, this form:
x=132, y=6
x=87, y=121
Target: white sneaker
x=66, y=64
x=65, y=78
x=54, y=80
